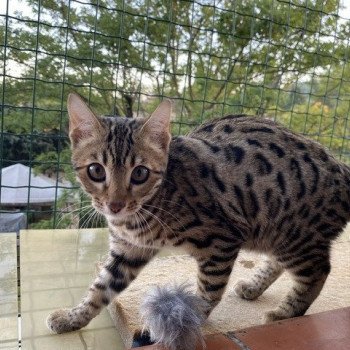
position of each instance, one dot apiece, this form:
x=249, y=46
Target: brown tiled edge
x=237, y=341
x=212, y=342
x=221, y=342
x=328, y=330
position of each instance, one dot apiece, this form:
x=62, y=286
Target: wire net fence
x=285, y=59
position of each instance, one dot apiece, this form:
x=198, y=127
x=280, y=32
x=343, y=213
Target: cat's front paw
x=62, y=321
x=246, y=290
x=274, y=315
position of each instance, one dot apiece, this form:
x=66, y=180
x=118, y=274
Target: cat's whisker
x=164, y=225
x=67, y=209
x=146, y=222
x=175, y=235
x=166, y=211
x=138, y=217
x=137, y=222
x=99, y=218
x=149, y=228
x=174, y=203
x=74, y=214
x=154, y=216
x=82, y=219
x=80, y=209
x=62, y=215
x=86, y=217
x=76, y=204
x=90, y=220
x=140, y=221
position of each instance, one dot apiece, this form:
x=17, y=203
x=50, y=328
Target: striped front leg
x=120, y=268
x=213, y=275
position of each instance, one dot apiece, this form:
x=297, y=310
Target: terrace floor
x=57, y=266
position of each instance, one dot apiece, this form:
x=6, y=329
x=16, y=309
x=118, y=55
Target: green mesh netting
x=288, y=60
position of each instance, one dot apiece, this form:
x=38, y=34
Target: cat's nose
x=116, y=206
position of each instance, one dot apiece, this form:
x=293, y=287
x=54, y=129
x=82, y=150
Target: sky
x=15, y=5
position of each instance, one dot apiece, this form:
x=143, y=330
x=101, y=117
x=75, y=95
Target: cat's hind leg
x=262, y=279
x=309, y=273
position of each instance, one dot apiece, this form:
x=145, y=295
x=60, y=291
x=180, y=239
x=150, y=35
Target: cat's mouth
x=117, y=212
x=122, y=214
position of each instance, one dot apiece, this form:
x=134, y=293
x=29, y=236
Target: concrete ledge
x=232, y=313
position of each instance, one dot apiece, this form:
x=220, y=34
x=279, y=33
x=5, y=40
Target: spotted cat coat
x=236, y=182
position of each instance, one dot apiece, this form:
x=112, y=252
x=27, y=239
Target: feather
x=173, y=316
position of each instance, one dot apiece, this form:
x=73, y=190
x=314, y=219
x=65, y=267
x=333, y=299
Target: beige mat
x=232, y=313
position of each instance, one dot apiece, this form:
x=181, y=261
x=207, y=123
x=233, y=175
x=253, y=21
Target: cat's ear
x=83, y=122
x=157, y=126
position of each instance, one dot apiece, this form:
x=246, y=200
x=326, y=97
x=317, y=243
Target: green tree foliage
x=285, y=59
x=18, y=147
x=236, y=54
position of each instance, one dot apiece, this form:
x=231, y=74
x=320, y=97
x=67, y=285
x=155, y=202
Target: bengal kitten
x=234, y=182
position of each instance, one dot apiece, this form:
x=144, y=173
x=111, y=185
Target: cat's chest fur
x=236, y=180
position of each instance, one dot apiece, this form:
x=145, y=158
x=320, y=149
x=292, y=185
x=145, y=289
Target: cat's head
x=120, y=162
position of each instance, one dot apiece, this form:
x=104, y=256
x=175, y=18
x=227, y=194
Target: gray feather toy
x=173, y=316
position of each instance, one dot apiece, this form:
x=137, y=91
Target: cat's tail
x=173, y=316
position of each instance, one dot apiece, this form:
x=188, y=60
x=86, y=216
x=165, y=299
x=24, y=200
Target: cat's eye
x=96, y=172
x=139, y=175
